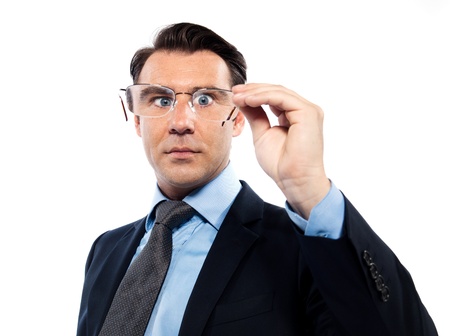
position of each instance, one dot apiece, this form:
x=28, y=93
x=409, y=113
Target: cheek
x=150, y=141
x=220, y=141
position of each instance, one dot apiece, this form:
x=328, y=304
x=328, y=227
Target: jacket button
x=379, y=282
x=385, y=294
x=367, y=257
x=374, y=271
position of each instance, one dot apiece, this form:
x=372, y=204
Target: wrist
x=304, y=196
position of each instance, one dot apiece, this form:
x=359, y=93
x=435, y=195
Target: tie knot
x=173, y=213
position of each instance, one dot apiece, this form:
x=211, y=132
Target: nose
x=182, y=116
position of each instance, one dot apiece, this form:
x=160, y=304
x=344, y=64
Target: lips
x=181, y=152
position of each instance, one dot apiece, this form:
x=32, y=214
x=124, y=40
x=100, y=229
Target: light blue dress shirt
x=192, y=241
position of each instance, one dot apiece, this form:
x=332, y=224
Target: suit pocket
x=241, y=309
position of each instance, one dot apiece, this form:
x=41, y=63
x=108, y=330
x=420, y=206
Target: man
x=241, y=266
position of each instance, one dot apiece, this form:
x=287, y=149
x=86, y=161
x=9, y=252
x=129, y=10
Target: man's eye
x=163, y=102
x=203, y=100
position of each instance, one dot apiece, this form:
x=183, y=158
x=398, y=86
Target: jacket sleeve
x=363, y=284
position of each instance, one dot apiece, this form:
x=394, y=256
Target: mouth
x=181, y=153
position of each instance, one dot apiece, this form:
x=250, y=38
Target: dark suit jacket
x=262, y=276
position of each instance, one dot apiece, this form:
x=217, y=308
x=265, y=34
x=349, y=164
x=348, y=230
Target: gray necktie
x=137, y=293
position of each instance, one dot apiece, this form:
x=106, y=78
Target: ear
x=238, y=124
x=137, y=125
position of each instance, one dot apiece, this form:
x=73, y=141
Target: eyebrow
x=152, y=89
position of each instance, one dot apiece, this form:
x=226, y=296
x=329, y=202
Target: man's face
x=184, y=150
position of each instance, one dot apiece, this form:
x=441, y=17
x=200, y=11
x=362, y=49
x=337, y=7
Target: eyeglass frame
x=176, y=101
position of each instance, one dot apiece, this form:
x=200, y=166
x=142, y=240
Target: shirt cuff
x=326, y=218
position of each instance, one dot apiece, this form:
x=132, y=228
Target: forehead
x=180, y=70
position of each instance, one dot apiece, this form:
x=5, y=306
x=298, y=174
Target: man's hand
x=291, y=153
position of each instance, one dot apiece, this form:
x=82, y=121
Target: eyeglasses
x=156, y=101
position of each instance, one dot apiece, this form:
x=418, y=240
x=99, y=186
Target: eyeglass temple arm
x=123, y=106
x=229, y=116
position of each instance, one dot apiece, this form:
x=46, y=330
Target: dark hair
x=189, y=37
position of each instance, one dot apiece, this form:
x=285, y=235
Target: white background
x=72, y=168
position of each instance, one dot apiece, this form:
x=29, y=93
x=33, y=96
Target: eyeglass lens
x=156, y=101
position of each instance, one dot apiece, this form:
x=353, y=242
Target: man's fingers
x=279, y=98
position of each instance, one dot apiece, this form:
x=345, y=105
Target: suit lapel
x=112, y=272
x=230, y=246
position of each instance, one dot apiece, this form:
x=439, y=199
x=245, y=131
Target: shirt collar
x=212, y=201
